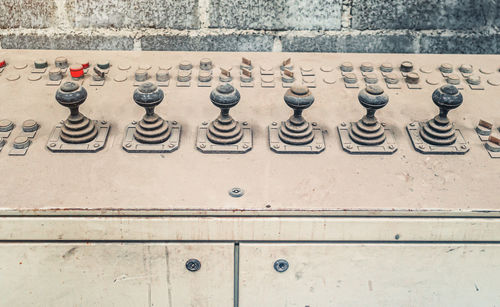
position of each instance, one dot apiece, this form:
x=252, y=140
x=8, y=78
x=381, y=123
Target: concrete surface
x=423, y=26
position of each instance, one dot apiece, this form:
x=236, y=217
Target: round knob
x=21, y=142
x=366, y=67
x=346, y=67
x=76, y=71
x=447, y=97
x=474, y=79
x=6, y=125
x=30, y=125
x=205, y=64
x=61, y=62
x=2, y=63
x=41, y=63
x=446, y=68
x=465, y=68
x=185, y=65
x=148, y=95
x=103, y=64
x=373, y=97
x=386, y=67
x=141, y=75
x=162, y=75
x=205, y=76
x=299, y=97
x=412, y=78
x=406, y=66
x=225, y=96
x=55, y=74
x=71, y=94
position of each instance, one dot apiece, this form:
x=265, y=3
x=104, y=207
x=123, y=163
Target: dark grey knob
x=21, y=142
x=71, y=94
x=30, y=125
x=41, y=63
x=61, y=62
x=148, y=95
x=373, y=97
x=225, y=96
x=299, y=97
x=447, y=98
x=6, y=125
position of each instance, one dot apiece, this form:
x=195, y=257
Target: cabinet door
x=128, y=274
x=370, y=275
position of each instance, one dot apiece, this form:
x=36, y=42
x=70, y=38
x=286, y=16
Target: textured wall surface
x=415, y=26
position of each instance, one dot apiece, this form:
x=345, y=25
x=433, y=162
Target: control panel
x=252, y=131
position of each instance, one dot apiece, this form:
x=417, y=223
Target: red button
x=85, y=64
x=76, y=71
x=2, y=63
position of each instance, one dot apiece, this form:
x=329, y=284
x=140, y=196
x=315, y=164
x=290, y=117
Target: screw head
x=319, y=146
x=128, y=145
x=463, y=146
x=96, y=145
x=202, y=145
x=391, y=146
x=236, y=192
x=174, y=122
x=171, y=145
x=244, y=123
x=134, y=123
x=275, y=123
x=412, y=124
x=343, y=124
x=193, y=265
x=204, y=123
x=281, y=265
x=245, y=146
x=349, y=146
x=52, y=145
x=421, y=146
x=276, y=146
x=314, y=124
x=104, y=122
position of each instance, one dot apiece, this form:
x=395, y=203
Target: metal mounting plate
x=387, y=147
x=55, y=144
x=277, y=145
x=130, y=144
x=204, y=145
x=459, y=148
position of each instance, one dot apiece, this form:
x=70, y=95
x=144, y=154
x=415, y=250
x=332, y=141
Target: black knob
x=225, y=96
x=299, y=97
x=148, y=95
x=373, y=97
x=447, y=98
x=71, y=95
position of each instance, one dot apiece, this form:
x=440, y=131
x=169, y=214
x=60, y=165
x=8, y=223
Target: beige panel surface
x=250, y=229
x=370, y=275
x=187, y=181
x=115, y=275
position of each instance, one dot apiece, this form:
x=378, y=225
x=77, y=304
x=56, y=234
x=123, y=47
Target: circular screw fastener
x=236, y=192
x=281, y=265
x=193, y=265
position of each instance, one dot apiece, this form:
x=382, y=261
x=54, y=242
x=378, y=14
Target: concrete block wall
x=413, y=26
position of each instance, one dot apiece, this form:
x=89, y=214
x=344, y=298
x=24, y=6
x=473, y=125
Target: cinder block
x=421, y=14
x=67, y=41
x=276, y=14
x=27, y=13
x=351, y=42
x=174, y=14
x=459, y=43
x=210, y=42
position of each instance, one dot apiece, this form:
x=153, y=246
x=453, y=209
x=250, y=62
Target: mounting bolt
x=275, y=123
x=96, y=145
x=314, y=124
x=245, y=146
x=281, y=265
x=134, y=123
x=204, y=123
x=202, y=145
x=104, y=122
x=193, y=265
x=349, y=146
x=391, y=146
x=244, y=123
x=319, y=146
x=128, y=145
x=171, y=145
x=412, y=124
x=52, y=144
x=276, y=146
x=343, y=124
x=463, y=146
x=174, y=122
x=61, y=122
x=421, y=146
